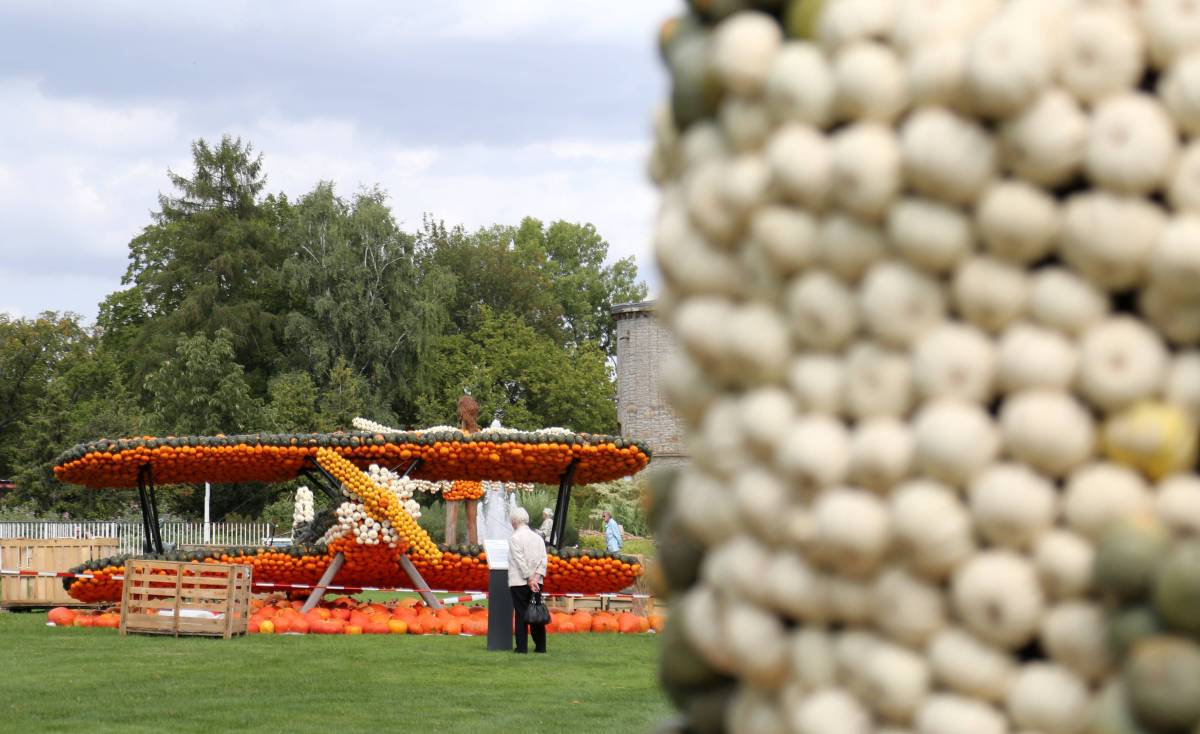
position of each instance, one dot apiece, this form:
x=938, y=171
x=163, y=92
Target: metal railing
x=131, y=534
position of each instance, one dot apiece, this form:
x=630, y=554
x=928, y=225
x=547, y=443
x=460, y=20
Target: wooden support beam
x=419, y=583
x=326, y=579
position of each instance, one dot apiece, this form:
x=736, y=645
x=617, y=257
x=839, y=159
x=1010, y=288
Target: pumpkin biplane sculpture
x=370, y=539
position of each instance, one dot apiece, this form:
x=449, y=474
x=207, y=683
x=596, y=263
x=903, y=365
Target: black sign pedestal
x=500, y=611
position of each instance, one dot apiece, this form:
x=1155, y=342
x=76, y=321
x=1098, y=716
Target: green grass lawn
x=72, y=680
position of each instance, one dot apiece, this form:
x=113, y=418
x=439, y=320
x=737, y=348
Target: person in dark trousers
x=526, y=571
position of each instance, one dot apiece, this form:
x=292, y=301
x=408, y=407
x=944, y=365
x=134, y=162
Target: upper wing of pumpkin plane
x=513, y=456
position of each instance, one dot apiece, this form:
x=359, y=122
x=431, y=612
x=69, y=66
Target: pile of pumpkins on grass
x=347, y=616
x=934, y=271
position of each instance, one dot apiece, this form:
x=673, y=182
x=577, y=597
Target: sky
x=476, y=112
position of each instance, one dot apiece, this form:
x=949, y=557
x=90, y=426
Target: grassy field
x=69, y=680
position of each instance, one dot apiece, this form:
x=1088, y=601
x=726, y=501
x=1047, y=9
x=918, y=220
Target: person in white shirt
x=547, y=524
x=526, y=571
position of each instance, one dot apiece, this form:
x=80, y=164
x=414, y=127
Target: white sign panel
x=497, y=553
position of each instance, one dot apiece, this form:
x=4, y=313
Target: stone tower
x=642, y=411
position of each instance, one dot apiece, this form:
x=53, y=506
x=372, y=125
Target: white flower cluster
x=403, y=487
x=365, y=424
x=935, y=272
x=302, y=511
x=352, y=519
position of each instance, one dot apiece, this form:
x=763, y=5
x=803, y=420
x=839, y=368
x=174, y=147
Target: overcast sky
x=475, y=111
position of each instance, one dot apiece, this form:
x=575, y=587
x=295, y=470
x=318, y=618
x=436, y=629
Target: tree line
x=243, y=311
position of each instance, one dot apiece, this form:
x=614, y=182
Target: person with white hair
x=547, y=524
x=526, y=571
x=614, y=538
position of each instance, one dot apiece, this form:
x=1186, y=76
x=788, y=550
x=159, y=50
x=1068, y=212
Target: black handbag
x=536, y=612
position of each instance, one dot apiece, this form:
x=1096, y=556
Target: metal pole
x=207, y=523
x=418, y=583
x=155, y=526
x=558, y=529
x=144, y=503
x=326, y=580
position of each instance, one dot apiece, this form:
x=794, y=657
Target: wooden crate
x=175, y=598
x=58, y=554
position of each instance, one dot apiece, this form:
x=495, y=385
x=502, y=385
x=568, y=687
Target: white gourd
x=1171, y=28
x=801, y=163
x=814, y=452
x=813, y=659
x=849, y=21
x=686, y=259
x=744, y=183
x=1183, y=382
x=849, y=600
x=929, y=234
x=1017, y=221
x=797, y=590
x=1101, y=492
x=946, y=156
x=799, y=87
x=1064, y=563
x=1121, y=361
x=821, y=311
x=870, y=83
x=899, y=304
x=949, y=714
x=1075, y=635
x=766, y=412
x=990, y=293
x=1047, y=429
x=1008, y=65
x=1102, y=54
x=1011, y=505
x=746, y=123
x=754, y=710
x=853, y=529
x=849, y=246
x=907, y=609
x=1175, y=317
x=897, y=681
x=830, y=711
x=706, y=203
x=759, y=343
x=1049, y=698
x=997, y=597
x=1062, y=300
x=881, y=453
x=756, y=643
x=921, y=21
x=937, y=73
x=878, y=381
x=1177, y=503
x=1132, y=144
x=866, y=169
x=1183, y=188
x=787, y=238
x=932, y=528
x=1030, y=357
x=1046, y=143
x=954, y=361
x=759, y=495
x=817, y=383
x=743, y=49
x=1175, y=261
x=1180, y=92
x=954, y=441
x=963, y=663
x=1109, y=239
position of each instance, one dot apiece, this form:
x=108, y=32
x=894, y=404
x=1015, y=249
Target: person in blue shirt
x=612, y=533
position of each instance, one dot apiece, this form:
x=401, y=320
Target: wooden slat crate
x=175, y=598
x=58, y=554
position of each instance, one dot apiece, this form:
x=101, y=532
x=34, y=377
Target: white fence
x=131, y=534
